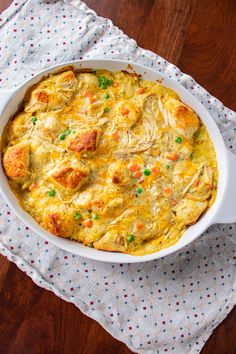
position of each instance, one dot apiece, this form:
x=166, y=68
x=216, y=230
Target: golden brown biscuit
x=189, y=210
x=16, y=162
x=86, y=141
x=59, y=224
x=70, y=178
x=181, y=118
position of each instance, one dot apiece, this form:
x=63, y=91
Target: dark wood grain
x=199, y=36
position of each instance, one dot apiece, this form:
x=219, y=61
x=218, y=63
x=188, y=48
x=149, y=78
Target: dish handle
x=4, y=98
x=227, y=210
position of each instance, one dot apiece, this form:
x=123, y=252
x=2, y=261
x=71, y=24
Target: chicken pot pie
x=110, y=160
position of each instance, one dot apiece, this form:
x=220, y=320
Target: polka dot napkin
x=169, y=305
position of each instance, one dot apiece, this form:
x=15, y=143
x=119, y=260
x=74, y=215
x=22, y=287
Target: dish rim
x=205, y=221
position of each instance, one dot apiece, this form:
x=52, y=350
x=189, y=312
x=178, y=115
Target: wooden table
x=199, y=37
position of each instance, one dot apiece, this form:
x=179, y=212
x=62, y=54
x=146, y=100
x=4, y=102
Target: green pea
x=178, y=140
x=95, y=217
x=104, y=82
x=77, y=216
x=130, y=238
x=63, y=135
x=139, y=190
x=106, y=110
x=52, y=193
x=106, y=95
x=34, y=119
x=146, y=172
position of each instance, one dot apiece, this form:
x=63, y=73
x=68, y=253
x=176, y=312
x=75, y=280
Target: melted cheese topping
x=111, y=160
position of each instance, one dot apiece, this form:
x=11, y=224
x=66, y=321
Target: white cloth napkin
x=172, y=304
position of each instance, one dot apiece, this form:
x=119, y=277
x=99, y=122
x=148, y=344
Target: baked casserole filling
x=111, y=160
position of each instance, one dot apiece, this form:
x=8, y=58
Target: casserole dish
x=221, y=211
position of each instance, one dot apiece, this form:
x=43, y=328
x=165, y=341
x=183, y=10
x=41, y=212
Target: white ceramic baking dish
x=222, y=211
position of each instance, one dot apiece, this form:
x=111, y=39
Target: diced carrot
x=196, y=182
x=135, y=167
x=140, y=90
x=168, y=192
x=139, y=226
x=88, y=223
x=88, y=94
x=209, y=186
x=155, y=171
x=115, y=84
x=137, y=174
x=92, y=100
x=174, y=202
x=125, y=112
x=172, y=156
x=115, y=136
